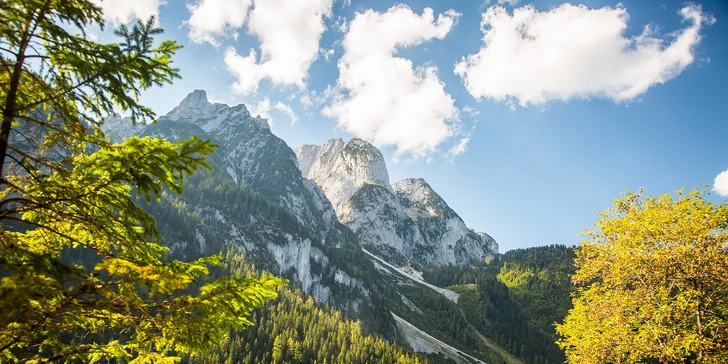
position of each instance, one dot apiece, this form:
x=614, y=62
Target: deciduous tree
x=654, y=283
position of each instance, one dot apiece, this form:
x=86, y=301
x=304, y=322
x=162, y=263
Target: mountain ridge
x=306, y=219
x=408, y=222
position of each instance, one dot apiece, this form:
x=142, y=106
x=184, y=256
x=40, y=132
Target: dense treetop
x=654, y=283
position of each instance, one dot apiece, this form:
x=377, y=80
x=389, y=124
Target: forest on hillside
x=294, y=328
x=516, y=298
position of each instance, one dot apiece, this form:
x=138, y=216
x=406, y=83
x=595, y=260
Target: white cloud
x=720, y=184
x=124, y=11
x=262, y=109
x=313, y=98
x=341, y=24
x=460, y=147
x=289, y=33
x=212, y=19
x=571, y=52
x=328, y=54
x=306, y=101
x=286, y=110
x=92, y=35
x=328, y=94
x=471, y=111
x=385, y=99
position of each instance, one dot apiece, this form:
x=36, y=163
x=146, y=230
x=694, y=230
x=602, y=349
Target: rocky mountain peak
x=407, y=222
x=362, y=148
x=195, y=100
x=416, y=191
x=195, y=107
x=259, y=121
x=341, y=168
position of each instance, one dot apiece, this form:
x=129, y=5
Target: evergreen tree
x=515, y=300
x=66, y=191
x=295, y=329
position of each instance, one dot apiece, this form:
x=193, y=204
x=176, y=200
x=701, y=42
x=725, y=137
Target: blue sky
x=548, y=144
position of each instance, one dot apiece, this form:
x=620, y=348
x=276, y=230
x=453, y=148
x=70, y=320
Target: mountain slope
x=444, y=233
x=341, y=169
x=407, y=222
x=304, y=216
x=516, y=299
x=255, y=199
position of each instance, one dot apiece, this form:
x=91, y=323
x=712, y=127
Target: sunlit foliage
x=654, y=276
x=65, y=190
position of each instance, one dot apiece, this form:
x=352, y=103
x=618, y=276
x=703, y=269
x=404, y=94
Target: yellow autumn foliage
x=653, y=279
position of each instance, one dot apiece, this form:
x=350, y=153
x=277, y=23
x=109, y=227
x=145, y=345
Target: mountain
x=347, y=182
x=326, y=217
x=254, y=157
x=406, y=222
x=117, y=127
x=341, y=169
x=255, y=200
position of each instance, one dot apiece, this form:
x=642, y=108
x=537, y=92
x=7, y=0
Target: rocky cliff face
x=341, y=169
x=445, y=236
x=377, y=217
x=407, y=222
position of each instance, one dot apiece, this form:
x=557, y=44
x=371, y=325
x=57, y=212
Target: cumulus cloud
x=212, y=19
x=124, y=11
x=569, y=52
x=385, y=99
x=289, y=33
x=720, y=184
x=286, y=110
